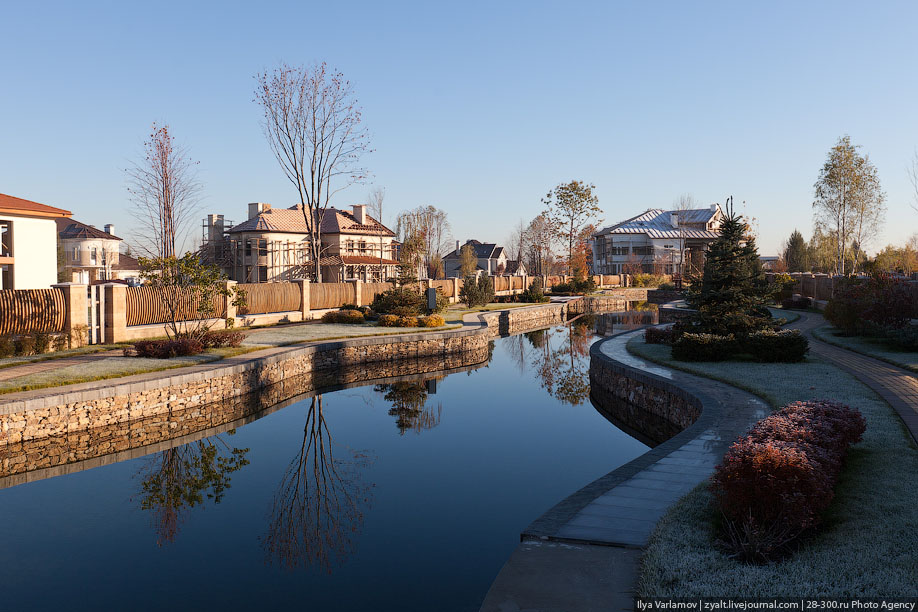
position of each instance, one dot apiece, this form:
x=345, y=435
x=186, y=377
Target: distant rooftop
x=658, y=223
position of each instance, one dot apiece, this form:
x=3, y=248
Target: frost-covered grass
x=868, y=541
x=872, y=347
x=283, y=335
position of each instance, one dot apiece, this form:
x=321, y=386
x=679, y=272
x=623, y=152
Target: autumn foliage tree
x=569, y=208
x=314, y=126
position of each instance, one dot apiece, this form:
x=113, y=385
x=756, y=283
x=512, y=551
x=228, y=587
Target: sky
x=478, y=108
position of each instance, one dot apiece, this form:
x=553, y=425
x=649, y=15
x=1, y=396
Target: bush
x=388, y=320
x=785, y=345
x=431, y=321
x=42, y=342
x=60, y=342
x=797, y=302
x=7, y=346
x=533, y=294
x=774, y=483
x=351, y=317
x=25, y=345
x=442, y=301
x=667, y=287
x=476, y=292
x=368, y=313
x=166, y=349
x=349, y=307
x=220, y=339
x=659, y=335
x=401, y=301
x=407, y=322
x=647, y=280
x=905, y=339
x=704, y=347
x=575, y=287
x=857, y=306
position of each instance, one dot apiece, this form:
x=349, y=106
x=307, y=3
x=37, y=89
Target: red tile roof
x=27, y=208
x=291, y=220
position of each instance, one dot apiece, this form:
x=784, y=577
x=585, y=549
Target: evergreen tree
x=731, y=295
x=795, y=253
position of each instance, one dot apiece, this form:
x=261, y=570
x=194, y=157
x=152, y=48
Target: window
x=6, y=238
x=75, y=255
x=93, y=256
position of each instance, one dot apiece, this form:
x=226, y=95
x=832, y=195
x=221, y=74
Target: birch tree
x=849, y=202
x=314, y=126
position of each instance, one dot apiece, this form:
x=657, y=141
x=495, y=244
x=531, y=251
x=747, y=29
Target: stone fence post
x=304, y=297
x=115, y=313
x=229, y=307
x=75, y=308
x=358, y=297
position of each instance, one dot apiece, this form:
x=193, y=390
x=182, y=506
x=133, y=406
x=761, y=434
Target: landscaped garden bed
x=878, y=348
x=869, y=532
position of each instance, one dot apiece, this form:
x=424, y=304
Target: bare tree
x=541, y=240
x=912, y=170
x=313, y=124
x=375, y=203
x=431, y=226
x=516, y=243
x=164, y=193
x=683, y=203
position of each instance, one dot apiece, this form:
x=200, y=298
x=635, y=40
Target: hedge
x=343, y=316
x=770, y=346
x=775, y=482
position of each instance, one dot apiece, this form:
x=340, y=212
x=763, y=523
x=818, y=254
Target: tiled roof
x=126, y=262
x=291, y=221
x=71, y=228
x=27, y=208
x=482, y=250
x=657, y=223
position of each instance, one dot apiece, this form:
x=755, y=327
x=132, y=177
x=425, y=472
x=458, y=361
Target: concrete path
x=609, y=520
x=899, y=387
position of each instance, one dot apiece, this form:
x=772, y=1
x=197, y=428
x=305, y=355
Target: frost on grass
x=873, y=347
x=868, y=541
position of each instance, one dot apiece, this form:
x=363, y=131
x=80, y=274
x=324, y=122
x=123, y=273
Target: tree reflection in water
x=409, y=405
x=178, y=479
x=319, y=506
x=563, y=370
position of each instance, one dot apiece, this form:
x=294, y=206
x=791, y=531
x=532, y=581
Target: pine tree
x=795, y=253
x=731, y=295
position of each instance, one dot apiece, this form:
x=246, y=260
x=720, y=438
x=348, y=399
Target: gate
x=95, y=303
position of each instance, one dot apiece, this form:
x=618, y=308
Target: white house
x=492, y=259
x=91, y=255
x=28, y=243
x=656, y=241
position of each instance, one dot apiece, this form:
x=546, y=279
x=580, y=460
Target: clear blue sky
x=477, y=108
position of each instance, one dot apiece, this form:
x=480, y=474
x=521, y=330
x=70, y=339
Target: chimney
x=360, y=213
x=674, y=219
x=713, y=206
x=457, y=247
x=110, y=229
x=255, y=208
x=214, y=227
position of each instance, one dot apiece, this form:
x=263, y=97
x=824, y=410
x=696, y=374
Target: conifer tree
x=731, y=295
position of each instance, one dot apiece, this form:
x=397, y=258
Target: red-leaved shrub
x=774, y=483
x=220, y=339
x=165, y=349
x=658, y=335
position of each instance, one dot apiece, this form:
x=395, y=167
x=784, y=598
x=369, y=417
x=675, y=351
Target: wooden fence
x=145, y=305
x=29, y=311
x=370, y=290
x=331, y=295
x=264, y=298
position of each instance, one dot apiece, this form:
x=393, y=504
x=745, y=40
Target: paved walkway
x=899, y=387
x=581, y=555
x=35, y=367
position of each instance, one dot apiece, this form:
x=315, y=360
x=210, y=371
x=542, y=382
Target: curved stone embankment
x=157, y=405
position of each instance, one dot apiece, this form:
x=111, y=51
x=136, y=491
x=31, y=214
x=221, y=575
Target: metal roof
x=657, y=223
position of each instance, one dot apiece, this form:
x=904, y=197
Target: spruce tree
x=732, y=294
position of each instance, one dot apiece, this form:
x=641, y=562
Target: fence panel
x=331, y=295
x=145, y=305
x=262, y=298
x=446, y=286
x=24, y=311
x=501, y=283
x=371, y=290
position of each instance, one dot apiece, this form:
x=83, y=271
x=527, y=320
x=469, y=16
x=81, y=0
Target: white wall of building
x=34, y=252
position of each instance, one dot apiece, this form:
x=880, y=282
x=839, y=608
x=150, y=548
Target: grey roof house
x=492, y=259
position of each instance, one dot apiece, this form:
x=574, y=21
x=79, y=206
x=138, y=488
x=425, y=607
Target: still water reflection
x=406, y=495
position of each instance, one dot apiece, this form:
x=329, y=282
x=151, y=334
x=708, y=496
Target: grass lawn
x=869, y=538
x=872, y=347
x=9, y=362
x=454, y=313
x=284, y=335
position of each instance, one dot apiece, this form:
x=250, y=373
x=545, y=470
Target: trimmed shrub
x=166, y=349
x=797, y=302
x=401, y=301
x=221, y=339
x=704, y=347
x=368, y=313
x=351, y=317
x=408, y=322
x=42, y=342
x=349, y=307
x=431, y=321
x=25, y=345
x=7, y=346
x=387, y=320
x=659, y=335
x=905, y=339
x=476, y=292
x=774, y=483
x=647, y=280
x=575, y=287
x=783, y=345
x=534, y=293
x=858, y=306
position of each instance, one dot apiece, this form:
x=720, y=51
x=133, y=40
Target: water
x=407, y=496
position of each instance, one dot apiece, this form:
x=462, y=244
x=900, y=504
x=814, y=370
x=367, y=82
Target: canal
x=406, y=495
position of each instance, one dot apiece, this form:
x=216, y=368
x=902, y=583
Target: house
x=91, y=255
x=656, y=241
x=28, y=243
x=273, y=244
x=492, y=259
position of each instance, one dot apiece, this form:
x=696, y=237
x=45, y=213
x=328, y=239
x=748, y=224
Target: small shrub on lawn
x=387, y=320
x=7, y=346
x=221, y=339
x=905, y=339
x=42, y=342
x=704, y=347
x=647, y=280
x=369, y=314
x=407, y=322
x=401, y=301
x=442, y=301
x=658, y=335
x=60, y=342
x=431, y=321
x=534, y=294
x=349, y=307
x=575, y=287
x=352, y=317
x=775, y=482
x=166, y=349
x=476, y=292
x=25, y=345
x=797, y=302
x=783, y=345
